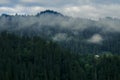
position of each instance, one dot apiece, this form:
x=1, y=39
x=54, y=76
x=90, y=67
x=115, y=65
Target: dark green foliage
x=49, y=12
x=78, y=32
x=24, y=58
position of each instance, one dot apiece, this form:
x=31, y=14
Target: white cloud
x=21, y=10
x=30, y=1
x=92, y=11
x=81, y=11
x=79, y=8
x=57, y=1
x=61, y=37
x=4, y=1
x=96, y=38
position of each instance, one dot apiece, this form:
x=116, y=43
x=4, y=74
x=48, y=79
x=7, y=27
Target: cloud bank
x=79, y=8
x=96, y=38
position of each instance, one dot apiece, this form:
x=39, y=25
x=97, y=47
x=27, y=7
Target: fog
x=60, y=23
x=53, y=20
x=96, y=38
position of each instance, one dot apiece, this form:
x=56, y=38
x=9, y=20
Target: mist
x=52, y=20
x=58, y=26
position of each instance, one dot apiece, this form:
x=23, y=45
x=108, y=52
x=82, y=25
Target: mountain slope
x=78, y=35
x=32, y=58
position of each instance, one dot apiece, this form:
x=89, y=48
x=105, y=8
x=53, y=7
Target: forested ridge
x=85, y=35
x=33, y=58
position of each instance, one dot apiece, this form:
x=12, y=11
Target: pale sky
x=74, y=8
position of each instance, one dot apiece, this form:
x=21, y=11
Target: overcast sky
x=75, y=8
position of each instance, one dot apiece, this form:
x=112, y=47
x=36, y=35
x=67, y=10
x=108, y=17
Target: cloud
x=81, y=11
x=4, y=1
x=30, y=1
x=93, y=11
x=79, y=8
x=96, y=38
x=57, y=2
x=60, y=3
x=107, y=1
x=61, y=37
x=21, y=10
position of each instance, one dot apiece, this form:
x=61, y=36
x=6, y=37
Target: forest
x=34, y=58
x=78, y=35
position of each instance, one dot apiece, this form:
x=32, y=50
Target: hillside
x=81, y=36
x=32, y=58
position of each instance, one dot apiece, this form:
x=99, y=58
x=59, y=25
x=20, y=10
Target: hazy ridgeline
x=51, y=46
x=102, y=34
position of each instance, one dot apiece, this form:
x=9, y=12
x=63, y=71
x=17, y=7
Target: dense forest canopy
x=51, y=46
x=33, y=58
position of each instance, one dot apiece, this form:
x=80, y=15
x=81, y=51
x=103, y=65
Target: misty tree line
x=110, y=43
x=33, y=58
x=75, y=32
